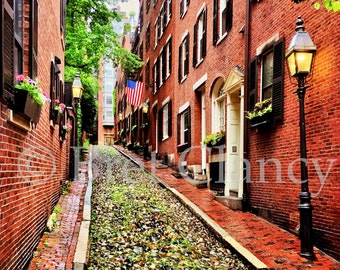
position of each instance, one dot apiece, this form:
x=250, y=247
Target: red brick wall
x=217, y=63
x=280, y=200
x=33, y=164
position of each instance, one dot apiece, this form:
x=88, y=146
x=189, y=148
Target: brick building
x=34, y=152
x=206, y=65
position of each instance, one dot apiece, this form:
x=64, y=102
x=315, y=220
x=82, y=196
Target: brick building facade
x=206, y=65
x=34, y=153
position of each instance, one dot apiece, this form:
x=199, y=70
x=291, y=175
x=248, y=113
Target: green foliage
x=330, y=5
x=214, y=138
x=89, y=38
x=260, y=109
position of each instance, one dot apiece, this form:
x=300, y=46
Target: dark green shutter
x=229, y=16
x=194, y=53
x=7, y=53
x=180, y=63
x=186, y=62
x=33, y=57
x=204, y=37
x=169, y=118
x=215, y=22
x=252, y=84
x=190, y=125
x=278, y=79
x=160, y=125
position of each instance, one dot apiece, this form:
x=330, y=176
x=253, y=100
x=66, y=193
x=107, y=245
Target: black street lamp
x=145, y=111
x=77, y=91
x=300, y=56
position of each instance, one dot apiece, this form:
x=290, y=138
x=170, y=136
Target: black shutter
x=181, y=8
x=189, y=128
x=33, y=57
x=170, y=9
x=252, y=83
x=229, y=15
x=194, y=53
x=163, y=67
x=160, y=125
x=7, y=56
x=178, y=129
x=278, y=78
x=204, y=37
x=215, y=23
x=186, y=62
x=170, y=55
x=180, y=57
x=169, y=119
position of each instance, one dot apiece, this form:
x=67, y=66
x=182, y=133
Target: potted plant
x=58, y=110
x=261, y=114
x=29, y=98
x=214, y=139
x=64, y=130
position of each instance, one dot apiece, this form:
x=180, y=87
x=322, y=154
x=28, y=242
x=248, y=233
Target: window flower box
x=214, y=139
x=261, y=114
x=27, y=106
x=29, y=98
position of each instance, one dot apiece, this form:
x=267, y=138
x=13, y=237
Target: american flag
x=134, y=91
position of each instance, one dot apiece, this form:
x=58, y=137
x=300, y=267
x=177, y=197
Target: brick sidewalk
x=275, y=247
x=56, y=249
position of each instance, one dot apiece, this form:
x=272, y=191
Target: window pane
x=267, y=69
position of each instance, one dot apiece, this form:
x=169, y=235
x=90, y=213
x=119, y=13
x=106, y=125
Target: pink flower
x=20, y=77
x=57, y=101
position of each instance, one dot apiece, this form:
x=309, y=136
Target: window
x=147, y=6
x=221, y=113
x=183, y=128
x=164, y=120
x=183, y=61
x=222, y=21
x=156, y=32
x=183, y=7
x=147, y=74
x=147, y=45
x=200, y=38
x=272, y=65
x=108, y=100
x=163, y=18
x=167, y=60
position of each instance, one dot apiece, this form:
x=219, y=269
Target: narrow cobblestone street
x=253, y=236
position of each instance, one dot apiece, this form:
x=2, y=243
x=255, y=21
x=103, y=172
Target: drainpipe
x=245, y=196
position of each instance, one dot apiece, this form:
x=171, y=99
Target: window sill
x=221, y=38
x=18, y=120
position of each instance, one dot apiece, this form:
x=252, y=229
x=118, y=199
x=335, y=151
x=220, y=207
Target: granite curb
x=81, y=255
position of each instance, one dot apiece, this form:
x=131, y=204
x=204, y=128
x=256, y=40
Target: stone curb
x=213, y=226
x=80, y=259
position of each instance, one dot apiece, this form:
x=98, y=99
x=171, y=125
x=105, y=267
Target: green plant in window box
x=214, y=139
x=134, y=128
x=260, y=109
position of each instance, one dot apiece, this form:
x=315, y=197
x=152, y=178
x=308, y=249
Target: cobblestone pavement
x=275, y=247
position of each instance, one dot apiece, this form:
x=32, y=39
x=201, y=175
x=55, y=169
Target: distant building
x=108, y=82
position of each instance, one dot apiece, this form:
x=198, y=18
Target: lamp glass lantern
x=145, y=107
x=77, y=88
x=301, y=52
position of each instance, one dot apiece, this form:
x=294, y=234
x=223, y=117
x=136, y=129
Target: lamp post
x=145, y=111
x=300, y=56
x=77, y=91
